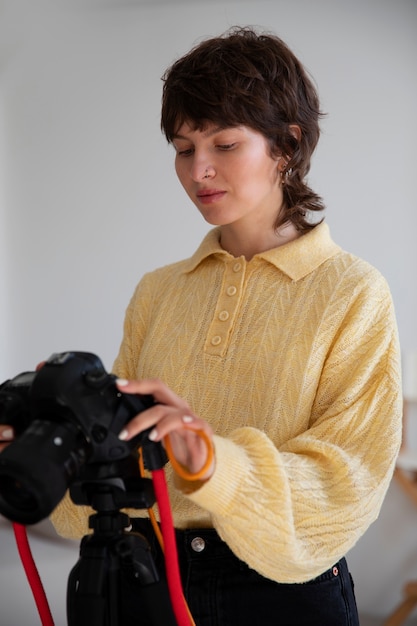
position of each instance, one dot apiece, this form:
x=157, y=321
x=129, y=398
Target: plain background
x=89, y=200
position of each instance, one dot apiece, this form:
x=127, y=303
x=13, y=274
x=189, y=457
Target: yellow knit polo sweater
x=293, y=358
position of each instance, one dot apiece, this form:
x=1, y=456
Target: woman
x=273, y=341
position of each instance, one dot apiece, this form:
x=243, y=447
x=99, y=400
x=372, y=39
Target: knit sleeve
x=293, y=511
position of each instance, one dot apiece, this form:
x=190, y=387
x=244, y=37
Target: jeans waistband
x=204, y=544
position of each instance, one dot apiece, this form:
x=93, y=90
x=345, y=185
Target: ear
x=295, y=131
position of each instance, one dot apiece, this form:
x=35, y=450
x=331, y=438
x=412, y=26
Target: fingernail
x=7, y=434
x=122, y=382
x=123, y=435
x=187, y=419
x=153, y=434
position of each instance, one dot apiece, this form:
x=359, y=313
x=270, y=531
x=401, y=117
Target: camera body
x=67, y=417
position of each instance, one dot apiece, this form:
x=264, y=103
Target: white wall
x=4, y=310
x=89, y=199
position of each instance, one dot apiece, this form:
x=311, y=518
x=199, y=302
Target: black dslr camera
x=67, y=417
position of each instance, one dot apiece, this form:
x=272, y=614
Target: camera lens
x=16, y=495
x=37, y=469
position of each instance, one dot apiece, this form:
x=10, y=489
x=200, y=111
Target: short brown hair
x=243, y=78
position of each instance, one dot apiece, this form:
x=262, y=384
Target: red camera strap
x=32, y=574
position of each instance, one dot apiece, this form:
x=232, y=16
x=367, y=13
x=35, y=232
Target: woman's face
x=229, y=174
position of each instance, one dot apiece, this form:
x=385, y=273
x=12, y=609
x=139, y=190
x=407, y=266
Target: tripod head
x=112, y=557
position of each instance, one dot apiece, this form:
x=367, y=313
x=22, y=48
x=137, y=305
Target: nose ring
x=206, y=174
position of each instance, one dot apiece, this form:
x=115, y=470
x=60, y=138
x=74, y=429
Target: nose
x=209, y=172
x=202, y=172
x=199, y=164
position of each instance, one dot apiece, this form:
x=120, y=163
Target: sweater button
x=223, y=316
x=216, y=340
x=237, y=267
x=198, y=544
x=231, y=291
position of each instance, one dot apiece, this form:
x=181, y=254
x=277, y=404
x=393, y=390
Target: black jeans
x=221, y=590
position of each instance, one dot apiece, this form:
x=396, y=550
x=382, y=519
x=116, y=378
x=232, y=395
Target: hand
x=6, y=436
x=172, y=417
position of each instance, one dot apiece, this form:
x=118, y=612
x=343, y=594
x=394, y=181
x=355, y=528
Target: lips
x=210, y=195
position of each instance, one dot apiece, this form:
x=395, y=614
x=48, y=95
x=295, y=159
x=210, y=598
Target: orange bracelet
x=180, y=469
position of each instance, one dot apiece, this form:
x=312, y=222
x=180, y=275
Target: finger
x=179, y=423
x=151, y=386
x=171, y=423
x=147, y=419
x=6, y=434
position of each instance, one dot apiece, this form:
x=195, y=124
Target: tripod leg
x=92, y=594
x=115, y=576
x=143, y=584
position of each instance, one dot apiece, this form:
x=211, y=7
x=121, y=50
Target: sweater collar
x=296, y=259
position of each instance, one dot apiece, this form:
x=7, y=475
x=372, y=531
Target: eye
x=226, y=146
x=186, y=152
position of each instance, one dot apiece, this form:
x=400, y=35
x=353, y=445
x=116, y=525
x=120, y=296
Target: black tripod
x=110, y=554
